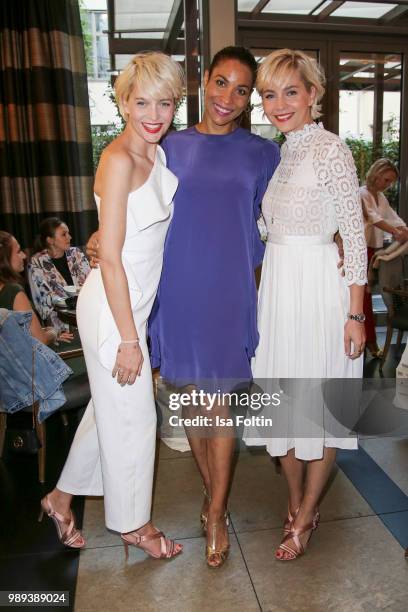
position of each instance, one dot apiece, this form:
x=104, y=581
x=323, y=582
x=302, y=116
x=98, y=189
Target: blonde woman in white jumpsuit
x=113, y=451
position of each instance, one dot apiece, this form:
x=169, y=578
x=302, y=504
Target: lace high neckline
x=307, y=129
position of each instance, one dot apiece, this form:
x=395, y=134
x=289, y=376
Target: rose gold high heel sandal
x=71, y=537
x=217, y=556
x=294, y=534
x=287, y=525
x=298, y=549
x=204, y=515
x=168, y=548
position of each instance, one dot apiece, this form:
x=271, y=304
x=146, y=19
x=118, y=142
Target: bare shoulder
x=116, y=166
x=21, y=302
x=116, y=158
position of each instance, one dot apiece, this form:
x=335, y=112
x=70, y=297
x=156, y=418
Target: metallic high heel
x=168, y=548
x=316, y=519
x=287, y=525
x=217, y=556
x=71, y=537
x=294, y=535
x=203, y=515
x=299, y=549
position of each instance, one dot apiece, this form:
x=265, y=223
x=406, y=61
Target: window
x=98, y=23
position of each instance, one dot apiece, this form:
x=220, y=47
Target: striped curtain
x=45, y=137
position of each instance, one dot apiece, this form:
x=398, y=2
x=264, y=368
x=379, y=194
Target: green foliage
x=111, y=95
x=279, y=138
x=102, y=135
x=87, y=38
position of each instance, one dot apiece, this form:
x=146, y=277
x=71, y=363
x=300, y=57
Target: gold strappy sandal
x=217, y=556
x=204, y=515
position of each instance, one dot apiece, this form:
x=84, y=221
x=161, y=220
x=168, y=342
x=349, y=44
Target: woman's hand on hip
x=128, y=365
x=92, y=250
x=354, y=333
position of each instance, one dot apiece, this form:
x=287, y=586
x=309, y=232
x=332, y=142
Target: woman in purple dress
x=203, y=327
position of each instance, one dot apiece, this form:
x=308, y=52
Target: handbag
x=22, y=440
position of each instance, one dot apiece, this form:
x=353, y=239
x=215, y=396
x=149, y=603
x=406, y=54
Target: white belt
x=306, y=240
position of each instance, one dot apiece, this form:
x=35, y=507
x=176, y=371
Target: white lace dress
x=303, y=298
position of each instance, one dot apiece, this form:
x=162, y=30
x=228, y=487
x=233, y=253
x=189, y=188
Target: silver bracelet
x=135, y=343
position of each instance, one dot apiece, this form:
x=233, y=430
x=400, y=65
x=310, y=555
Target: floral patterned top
x=47, y=284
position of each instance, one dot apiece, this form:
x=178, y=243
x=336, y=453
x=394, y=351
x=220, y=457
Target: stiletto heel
x=70, y=537
x=168, y=548
x=287, y=525
x=204, y=515
x=316, y=519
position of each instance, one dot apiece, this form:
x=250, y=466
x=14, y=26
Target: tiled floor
x=353, y=562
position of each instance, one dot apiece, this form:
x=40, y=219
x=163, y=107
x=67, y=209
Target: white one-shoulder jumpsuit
x=114, y=447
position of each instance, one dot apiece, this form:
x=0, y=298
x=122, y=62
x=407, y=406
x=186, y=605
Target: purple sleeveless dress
x=203, y=324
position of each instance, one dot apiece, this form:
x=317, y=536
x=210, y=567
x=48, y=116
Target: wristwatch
x=360, y=317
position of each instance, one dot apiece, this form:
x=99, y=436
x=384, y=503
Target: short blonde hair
x=278, y=64
x=157, y=75
x=379, y=167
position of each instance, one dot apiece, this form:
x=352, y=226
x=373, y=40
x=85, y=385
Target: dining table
x=66, y=310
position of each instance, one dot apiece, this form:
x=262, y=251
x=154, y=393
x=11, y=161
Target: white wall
x=103, y=110
x=94, y=5
x=356, y=112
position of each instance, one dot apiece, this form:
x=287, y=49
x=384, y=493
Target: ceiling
x=323, y=9
x=141, y=24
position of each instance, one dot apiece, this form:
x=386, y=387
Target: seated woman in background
x=54, y=265
x=379, y=217
x=12, y=294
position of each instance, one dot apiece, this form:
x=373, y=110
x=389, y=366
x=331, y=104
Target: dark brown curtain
x=45, y=137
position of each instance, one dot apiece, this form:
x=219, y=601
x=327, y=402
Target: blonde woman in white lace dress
x=310, y=316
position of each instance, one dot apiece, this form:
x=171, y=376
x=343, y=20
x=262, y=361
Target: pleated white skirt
x=302, y=308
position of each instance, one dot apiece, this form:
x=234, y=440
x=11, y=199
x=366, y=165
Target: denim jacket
x=16, y=363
